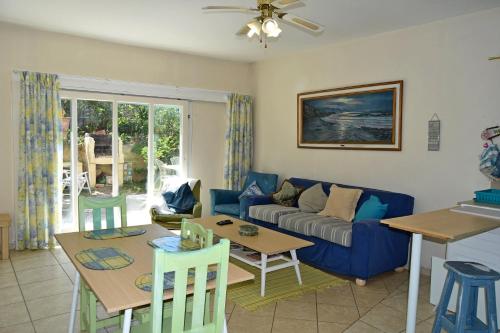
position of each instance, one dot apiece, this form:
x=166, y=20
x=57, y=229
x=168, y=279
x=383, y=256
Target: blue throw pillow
x=252, y=189
x=371, y=209
x=180, y=201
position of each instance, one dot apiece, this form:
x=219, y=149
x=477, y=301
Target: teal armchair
x=227, y=202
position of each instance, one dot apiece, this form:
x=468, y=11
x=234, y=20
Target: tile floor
x=35, y=296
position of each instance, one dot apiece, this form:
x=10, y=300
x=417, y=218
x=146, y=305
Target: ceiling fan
x=266, y=24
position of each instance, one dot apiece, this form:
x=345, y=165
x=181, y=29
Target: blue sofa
x=227, y=202
x=368, y=248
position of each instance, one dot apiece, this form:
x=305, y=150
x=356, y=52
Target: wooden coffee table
x=268, y=243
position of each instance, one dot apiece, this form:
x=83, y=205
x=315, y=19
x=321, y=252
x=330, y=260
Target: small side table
x=4, y=226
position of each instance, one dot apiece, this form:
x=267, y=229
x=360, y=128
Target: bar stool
x=470, y=276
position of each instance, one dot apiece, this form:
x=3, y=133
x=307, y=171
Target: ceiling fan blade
x=301, y=22
x=230, y=8
x=243, y=31
x=284, y=3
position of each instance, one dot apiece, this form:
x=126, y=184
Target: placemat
x=113, y=233
x=174, y=244
x=144, y=281
x=104, y=258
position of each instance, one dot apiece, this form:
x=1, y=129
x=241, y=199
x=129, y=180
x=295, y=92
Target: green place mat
x=113, y=233
x=104, y=258
x=174, y=244
x=280, y=284
x=144, y=281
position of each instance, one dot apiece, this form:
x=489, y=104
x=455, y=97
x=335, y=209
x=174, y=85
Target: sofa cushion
x=299, y=222
x=371, y=209
x=252, y=189
x=399, y=204
x=313, y=199
x=270, y=213
x=287, y=195
x=328, y=228
x=231, y=209
x=342, y=203
x=332, y=229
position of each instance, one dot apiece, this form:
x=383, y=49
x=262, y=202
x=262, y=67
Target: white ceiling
x=180, y=25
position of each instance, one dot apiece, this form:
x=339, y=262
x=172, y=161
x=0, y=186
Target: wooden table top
x=444, y=224
x=267, y=241
x=116, y=288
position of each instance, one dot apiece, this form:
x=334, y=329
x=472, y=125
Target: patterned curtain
x=40, y=161
x=239, y=140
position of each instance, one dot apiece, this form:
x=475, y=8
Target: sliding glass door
x=121, y=145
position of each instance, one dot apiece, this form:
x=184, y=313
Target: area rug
x=280, y=284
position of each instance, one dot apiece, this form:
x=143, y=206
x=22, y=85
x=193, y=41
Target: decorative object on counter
x=490, y=133
x=367, y=117
x=249, y=230
x=104, y=258
x=489, y=160
x=434, y=133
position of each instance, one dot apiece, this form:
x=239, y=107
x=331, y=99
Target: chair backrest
x=180, y=263
x=99, y=203
x=266, y=181
x=197, y=233
x=196, y=190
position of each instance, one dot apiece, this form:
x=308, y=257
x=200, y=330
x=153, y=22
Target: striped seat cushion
x=324, y=227
x=299, y=222
x=270, y=213
x=334, y=230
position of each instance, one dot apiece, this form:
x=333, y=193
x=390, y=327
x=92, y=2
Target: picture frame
x=362, y=117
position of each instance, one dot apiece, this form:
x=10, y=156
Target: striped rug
x=280, y=284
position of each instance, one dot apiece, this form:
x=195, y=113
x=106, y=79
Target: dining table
x=115, y=289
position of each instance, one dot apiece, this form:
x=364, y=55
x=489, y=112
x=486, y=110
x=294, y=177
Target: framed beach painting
x=360, y=117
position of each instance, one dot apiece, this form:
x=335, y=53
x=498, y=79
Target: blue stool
x=470, y=276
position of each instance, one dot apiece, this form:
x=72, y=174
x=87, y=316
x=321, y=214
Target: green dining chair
x=180, y=263
x=88, y=301
x=197, y=233
x=97, y=204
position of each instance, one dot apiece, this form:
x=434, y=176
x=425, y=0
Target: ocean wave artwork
x=360, y=118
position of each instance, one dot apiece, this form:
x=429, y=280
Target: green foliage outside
x=132, y=125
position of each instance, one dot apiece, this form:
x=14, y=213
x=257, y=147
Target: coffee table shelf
x=253, y=257
x=268, y=246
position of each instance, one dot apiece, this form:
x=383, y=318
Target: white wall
x=27, y=49
x=209, y=124
x=445, y=70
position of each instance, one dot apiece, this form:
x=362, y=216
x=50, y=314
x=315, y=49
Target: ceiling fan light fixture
x=275, y=33
x=269, y=26
x=254, y=27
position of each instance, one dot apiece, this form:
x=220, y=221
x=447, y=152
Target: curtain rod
x=127, y=94
x=137, y=89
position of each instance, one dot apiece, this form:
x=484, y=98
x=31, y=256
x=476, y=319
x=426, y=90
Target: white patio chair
x=83, y=181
